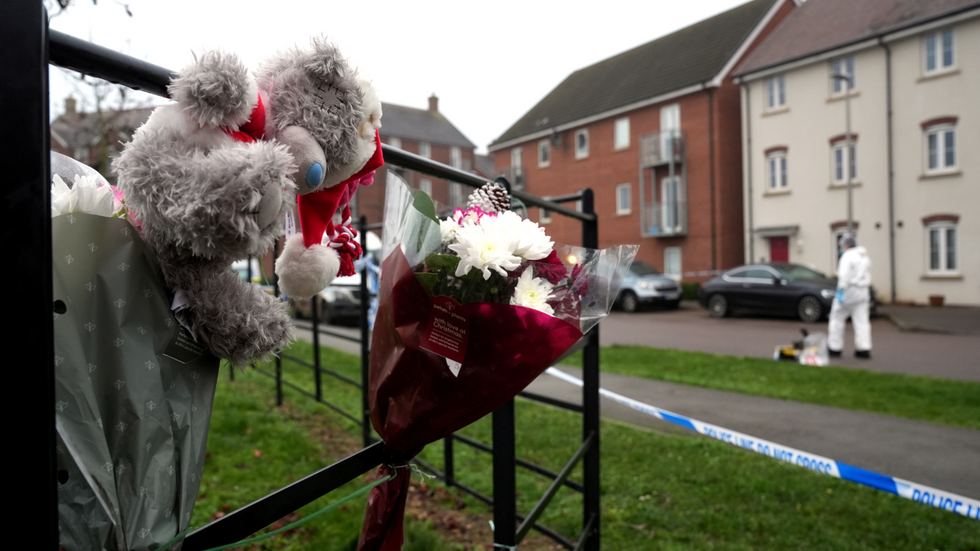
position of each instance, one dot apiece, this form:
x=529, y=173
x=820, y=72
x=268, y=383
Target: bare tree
x=57, y=7
x=107, y=115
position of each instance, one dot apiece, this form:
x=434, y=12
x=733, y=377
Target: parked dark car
x=339, y=302
x=645, y=285
x=775, y=288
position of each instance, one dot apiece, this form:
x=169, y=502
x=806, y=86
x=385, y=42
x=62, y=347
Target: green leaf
x=444, y=262
x=428, y=280
x=423, y=203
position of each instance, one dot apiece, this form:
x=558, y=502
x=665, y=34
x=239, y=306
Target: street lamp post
x=848, y=145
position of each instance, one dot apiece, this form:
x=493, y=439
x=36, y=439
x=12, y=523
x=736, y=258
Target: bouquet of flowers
x=133, y=391
x=471, y=310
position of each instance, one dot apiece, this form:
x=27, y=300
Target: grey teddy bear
x=211, y=177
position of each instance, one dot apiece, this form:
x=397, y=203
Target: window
x=940, y=144
x=623, y=199
x=621, y=134
x=426, y=186
x=517, y=168
x=843, y=157
x=776, y=169
x=455, y=157
x=582, y=143
x=941, y=244
x=395, y=142
x=544, y=216
x=938, y=52
x=942, y=248
x=456, y=198
x=544, y=153
x=425, y=150
x=671, y=205
x=843, y=67
x=840, y=157
x=776, y=92
x=516, y=159
x=670, y=131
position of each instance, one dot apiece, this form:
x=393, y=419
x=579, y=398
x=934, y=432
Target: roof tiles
x=822, y=25
x=690, y=56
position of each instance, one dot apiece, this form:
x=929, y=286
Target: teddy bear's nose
x=314, y=175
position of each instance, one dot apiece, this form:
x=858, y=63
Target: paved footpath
x=946, y=458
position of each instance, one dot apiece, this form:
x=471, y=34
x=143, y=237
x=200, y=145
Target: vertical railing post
x=278, y=294
x=504, y=477
x=449, y=467
x=365, y=334
x=315, y=318
x=25, y=158
x=590, y=397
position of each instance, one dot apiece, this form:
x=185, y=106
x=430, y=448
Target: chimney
x=70, y=105
x=433, y=103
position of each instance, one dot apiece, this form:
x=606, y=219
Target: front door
x=779, y=249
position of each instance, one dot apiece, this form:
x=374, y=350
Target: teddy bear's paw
x=235, y=319
x=271, y=331
x=216, y=90
x=304, y=272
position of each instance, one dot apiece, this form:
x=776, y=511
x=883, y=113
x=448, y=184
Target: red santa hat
x=324, y=250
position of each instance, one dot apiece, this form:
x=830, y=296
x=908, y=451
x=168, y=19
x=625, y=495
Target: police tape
x=910, y=490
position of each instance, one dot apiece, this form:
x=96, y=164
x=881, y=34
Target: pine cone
x=490, y=198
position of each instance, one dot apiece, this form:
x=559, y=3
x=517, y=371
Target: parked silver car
x=644, y=285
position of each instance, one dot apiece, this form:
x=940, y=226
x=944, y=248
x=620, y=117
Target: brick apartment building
x=425, y=132
x=655, y=131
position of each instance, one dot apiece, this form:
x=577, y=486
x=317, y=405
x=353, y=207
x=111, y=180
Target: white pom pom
x=304, y=272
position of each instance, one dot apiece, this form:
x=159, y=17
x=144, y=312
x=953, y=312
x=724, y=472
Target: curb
x=913, y=328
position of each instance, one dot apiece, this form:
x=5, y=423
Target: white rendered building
x=913, y=158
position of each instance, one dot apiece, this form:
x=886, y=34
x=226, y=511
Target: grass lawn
x=255, y=447
x=940, y=401
x=658, y=491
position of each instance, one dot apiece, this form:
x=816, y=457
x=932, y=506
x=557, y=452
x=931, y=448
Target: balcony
x=661, y=148
x=665, y=219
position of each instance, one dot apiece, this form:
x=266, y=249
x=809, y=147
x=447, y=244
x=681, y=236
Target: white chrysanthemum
x=485, y=248
x=447, y=228
x=88, y=195
x=533, y=292
x=534, y=244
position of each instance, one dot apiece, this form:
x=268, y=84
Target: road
x=691, y=328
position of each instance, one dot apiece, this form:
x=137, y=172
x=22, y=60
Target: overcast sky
x=488, y=62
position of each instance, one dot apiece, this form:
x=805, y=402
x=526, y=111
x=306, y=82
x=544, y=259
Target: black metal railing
x=24, y=29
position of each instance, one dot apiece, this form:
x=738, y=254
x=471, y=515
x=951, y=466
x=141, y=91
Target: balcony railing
x=663, y=219
x=660, y=148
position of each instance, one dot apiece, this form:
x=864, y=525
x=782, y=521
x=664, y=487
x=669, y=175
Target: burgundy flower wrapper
x=414, y=397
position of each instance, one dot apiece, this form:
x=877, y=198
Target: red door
x=779, y=249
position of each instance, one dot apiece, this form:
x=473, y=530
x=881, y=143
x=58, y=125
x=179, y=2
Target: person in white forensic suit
x=853, y=299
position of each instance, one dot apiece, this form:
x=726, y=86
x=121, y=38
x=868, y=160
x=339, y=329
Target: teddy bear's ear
x=325, y=65
x=216, y=90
